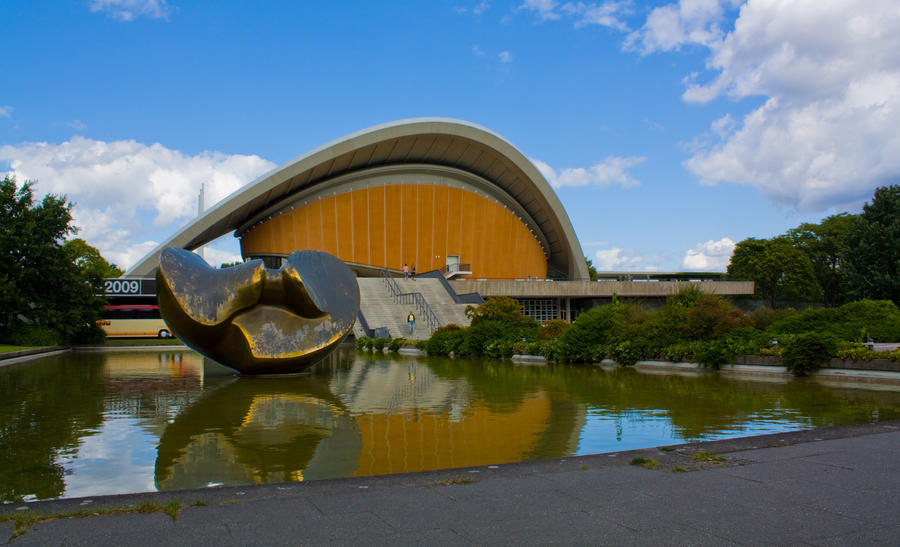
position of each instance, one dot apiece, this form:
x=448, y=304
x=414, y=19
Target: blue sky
x=669, y=130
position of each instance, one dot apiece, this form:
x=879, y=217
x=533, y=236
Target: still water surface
x=85, y=424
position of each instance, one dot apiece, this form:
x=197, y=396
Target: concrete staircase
x=438, y=298
x=379, y=309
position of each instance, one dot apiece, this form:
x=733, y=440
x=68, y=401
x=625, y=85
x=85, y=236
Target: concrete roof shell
x=438, y=141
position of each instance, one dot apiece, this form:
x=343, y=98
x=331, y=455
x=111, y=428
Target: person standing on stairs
x=411, y=319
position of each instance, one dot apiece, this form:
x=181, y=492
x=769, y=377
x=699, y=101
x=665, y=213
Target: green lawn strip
x=9, y=349
x=25, y=519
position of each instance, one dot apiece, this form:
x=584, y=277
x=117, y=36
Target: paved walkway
x=836, y=486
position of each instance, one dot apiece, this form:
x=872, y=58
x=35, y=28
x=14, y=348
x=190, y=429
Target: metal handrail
x=415, y=298
x=391, y=283
x=451, y=269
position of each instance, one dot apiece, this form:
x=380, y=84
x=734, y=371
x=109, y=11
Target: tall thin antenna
x=201, y=205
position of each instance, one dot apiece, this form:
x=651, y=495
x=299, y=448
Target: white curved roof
x=438, y=141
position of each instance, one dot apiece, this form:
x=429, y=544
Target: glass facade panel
x=542, y=309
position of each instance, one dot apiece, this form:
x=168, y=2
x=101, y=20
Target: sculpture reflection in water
x=354, y=417
x=258, y=320
x=260, y=430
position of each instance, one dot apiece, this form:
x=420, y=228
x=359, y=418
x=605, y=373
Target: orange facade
x=421, y=224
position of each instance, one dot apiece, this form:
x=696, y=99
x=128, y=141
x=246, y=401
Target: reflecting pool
x=92, y=423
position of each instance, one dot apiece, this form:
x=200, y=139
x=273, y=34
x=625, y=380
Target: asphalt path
x=834, y=486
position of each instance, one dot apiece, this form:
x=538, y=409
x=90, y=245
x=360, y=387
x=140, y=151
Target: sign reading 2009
x=144, y=287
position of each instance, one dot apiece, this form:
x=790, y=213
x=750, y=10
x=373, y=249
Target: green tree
x=592, y=271
x=89, y=261
x=779, y=270
x=826, y=244
x=600, y=325
x=43, y=293
x=499, y=319
x=872, y=265
x=501, y=308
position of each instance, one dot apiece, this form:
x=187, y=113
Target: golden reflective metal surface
x=257, y=320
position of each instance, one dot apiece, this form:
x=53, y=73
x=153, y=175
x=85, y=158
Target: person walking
x=411, y=319
x=405, y=271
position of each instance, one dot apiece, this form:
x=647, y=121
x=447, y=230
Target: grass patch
x=667, y=448
x=199, y=503
x=23, y=520
x=646, y=463
x=705, y=456
x=584, y=468
x=678, y=470
x=232, y=502
x=453, y=480
x=9, y=349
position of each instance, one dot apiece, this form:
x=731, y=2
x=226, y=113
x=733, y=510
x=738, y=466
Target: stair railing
x=414, y=298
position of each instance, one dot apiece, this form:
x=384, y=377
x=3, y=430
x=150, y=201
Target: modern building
x=436, y=193
x=433, y=193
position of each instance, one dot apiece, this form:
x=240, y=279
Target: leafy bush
x=807, y=352
x=396, y=344
x=879, y=319
x=763, y=317
x=446, y=340
x=713, y=353
x=601, y=325
x=486, y=331
x=499, y=349
x=860, y=352
x=625, y=353
x=681, y=351
x=379, y=343
x=31, y=335
x=713, y=317
x=363, y=343
x=553, y=328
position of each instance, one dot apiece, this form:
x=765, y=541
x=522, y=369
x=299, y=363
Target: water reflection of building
x=412, y=420
x=366, y=418
x=152, y=384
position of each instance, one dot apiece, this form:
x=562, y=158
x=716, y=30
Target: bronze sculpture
x=257, y=320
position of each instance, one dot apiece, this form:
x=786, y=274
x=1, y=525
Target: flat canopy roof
x=437, y=141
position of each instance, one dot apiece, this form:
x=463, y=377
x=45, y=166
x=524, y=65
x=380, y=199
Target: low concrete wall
x=13, y=357
x=885, y=365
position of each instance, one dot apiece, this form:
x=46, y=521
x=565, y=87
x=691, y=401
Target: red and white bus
x=131, y=309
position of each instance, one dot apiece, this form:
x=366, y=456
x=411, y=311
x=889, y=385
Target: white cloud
x=128, y=195
x=616, y=259
x=505, y=57
x=129, y=10
x=481, y=8
x=77, y=125
x=689, y=22
x=712, y=256
x=5, y=111
x=214, y=256
x=606, y=14
x=826, y=134
x=545, y=9
x=613, y=170
x=477, y=9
